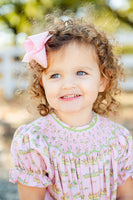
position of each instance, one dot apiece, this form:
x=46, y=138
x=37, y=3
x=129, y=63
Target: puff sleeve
x=31, y=159
x=125, y=164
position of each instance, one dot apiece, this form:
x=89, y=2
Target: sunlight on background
x=119, y=4
x=6, y=38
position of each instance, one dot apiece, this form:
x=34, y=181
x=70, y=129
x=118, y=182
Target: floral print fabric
x=87, y=162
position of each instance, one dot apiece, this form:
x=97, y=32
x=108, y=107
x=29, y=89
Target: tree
x=21, y=15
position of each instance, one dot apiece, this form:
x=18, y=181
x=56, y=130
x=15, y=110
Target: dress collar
x=75, y=129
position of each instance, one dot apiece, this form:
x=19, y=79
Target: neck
x=75, y=120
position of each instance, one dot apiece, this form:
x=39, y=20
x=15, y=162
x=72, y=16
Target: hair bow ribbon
x=35, y=48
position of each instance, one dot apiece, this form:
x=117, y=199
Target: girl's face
x=73, y=80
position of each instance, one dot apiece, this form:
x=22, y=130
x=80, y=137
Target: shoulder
x=31, y=136
x=35, y=127
x=121, y=134
x=111, y=125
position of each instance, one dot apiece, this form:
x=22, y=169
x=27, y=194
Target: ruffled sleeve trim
x=124, y=176
x=29, y=178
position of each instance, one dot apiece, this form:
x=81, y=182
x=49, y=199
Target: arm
x=125, y=191
x=31, y=193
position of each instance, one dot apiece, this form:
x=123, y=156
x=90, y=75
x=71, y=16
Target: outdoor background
x=20, y=18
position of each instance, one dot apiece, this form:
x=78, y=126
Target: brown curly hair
x=81, y=31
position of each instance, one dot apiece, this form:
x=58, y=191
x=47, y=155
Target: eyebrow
x=86, y=67
x=78, y=67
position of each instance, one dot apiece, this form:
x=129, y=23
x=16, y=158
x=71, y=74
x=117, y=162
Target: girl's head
x=80, y=63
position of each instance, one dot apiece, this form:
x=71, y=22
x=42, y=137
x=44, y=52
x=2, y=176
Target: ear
x=103, y=84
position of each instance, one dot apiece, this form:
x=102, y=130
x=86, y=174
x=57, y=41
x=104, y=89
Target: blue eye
x=81, y=73
x=54, y=76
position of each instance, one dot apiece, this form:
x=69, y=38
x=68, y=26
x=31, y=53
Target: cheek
x=51, y=93
x=92, y=90
x=92, y=84
x=50, y=98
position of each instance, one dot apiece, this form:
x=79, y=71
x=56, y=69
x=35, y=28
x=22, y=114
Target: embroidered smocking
x=86, y=164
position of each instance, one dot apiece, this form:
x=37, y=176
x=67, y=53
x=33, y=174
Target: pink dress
x=87, y=162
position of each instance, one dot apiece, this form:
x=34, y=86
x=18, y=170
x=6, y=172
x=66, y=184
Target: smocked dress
x=87, y=162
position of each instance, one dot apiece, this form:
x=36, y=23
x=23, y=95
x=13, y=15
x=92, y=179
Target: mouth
x=70, y=97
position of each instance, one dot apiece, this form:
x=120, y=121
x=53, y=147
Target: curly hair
x=63, y=32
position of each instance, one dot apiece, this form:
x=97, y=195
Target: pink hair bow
x=35, y=48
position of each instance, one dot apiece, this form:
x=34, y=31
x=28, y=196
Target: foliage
x=23, y=15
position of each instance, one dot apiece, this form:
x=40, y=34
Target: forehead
x=73, y=53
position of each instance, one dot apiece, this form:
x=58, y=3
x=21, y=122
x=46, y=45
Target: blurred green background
x=20, y=18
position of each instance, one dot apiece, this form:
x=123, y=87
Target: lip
x=70, y=97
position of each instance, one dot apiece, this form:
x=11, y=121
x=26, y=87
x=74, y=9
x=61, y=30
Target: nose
x=68, y=83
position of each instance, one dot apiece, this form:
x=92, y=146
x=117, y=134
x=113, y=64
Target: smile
x=70, y=97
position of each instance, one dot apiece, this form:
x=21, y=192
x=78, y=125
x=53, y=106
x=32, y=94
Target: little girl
x=72, y=151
